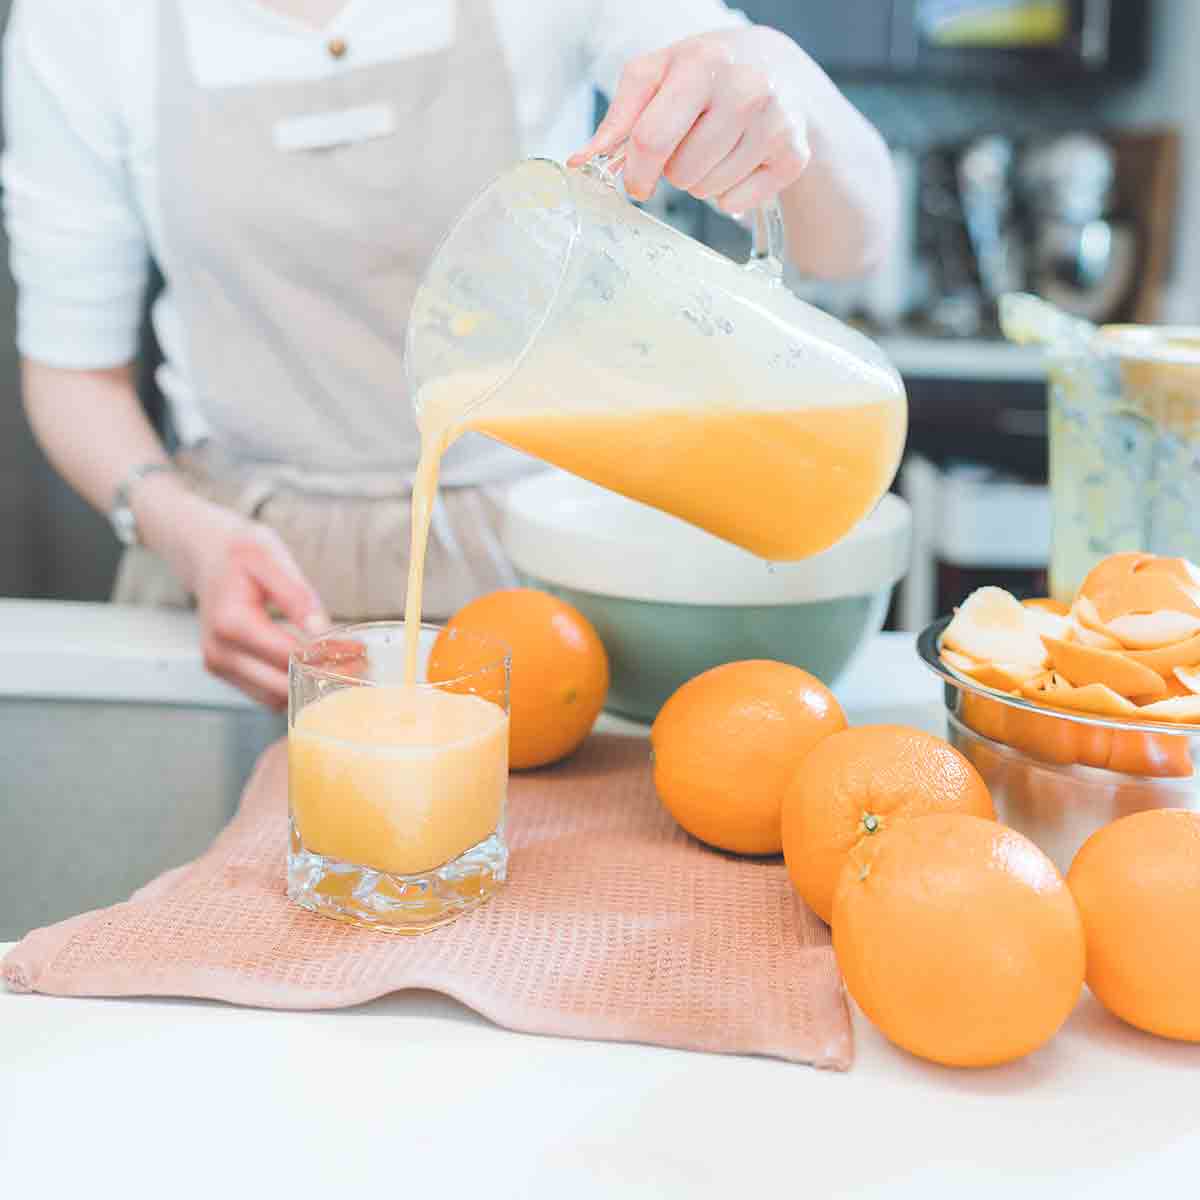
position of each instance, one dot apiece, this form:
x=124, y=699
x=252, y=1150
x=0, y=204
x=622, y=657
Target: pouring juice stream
x=563, y=321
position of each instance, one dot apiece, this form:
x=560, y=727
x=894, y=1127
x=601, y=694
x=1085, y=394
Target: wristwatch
x=121, y=516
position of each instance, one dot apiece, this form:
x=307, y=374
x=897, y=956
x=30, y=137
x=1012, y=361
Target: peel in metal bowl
x=1058, y=776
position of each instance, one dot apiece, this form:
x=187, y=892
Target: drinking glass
x=396, y=791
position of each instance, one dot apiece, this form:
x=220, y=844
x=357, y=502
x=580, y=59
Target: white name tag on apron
x=346, y=127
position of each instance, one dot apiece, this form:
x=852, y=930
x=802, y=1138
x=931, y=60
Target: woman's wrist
x=171, y=519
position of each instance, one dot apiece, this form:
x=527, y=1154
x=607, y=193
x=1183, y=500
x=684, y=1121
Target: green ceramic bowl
x=669, y=601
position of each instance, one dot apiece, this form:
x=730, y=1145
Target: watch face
x=125, y=526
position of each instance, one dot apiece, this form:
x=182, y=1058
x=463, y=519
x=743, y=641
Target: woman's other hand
x=239, y=571
x=707, y=114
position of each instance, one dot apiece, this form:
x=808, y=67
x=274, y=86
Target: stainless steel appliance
x=1084, y=258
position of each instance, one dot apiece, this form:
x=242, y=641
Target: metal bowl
x=1059, y=776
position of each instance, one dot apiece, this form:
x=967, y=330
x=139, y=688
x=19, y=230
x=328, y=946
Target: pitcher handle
x=770, y=241
x=769, y=246
x=607, y=167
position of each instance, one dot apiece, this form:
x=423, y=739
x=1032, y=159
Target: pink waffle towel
x=614, y=925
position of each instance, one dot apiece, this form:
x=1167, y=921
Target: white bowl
x=670, y=600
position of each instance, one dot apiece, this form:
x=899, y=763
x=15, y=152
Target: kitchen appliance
x=1084, y=258
x=1016, y=38
x=1036, y=40
x=985, y=188
x=578, y=328
x=1124, y=408
x=1035, y=760
x=670, y=601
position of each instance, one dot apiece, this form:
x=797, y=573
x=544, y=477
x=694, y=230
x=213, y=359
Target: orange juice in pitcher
x=560, y=319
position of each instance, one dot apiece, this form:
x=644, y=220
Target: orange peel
x=1149, y=592
x=1043, y=735
x=1048, y=623
x=1097, y=641
x=1086, y=626
x=1184, y=709
x=986, y=716
x=1083, y=665
x=1003, y=677
x=1095, y=698
x=1046, y=604
x=1098, y=700
x=1044, y=685
x=1163, y=755
x=964, y=664
x=1127, y=648
x=1152, y=631
x=1174, y=688
x=1086, y=616
x=1108, y=576
x=1165, y=660
x=1187, y=678
x=1094, y=745
x=1142, y=583
x=993, y=626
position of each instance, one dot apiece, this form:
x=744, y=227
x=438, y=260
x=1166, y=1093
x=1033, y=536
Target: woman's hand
x=238, y=571
x=708, y=114
x=742, y=116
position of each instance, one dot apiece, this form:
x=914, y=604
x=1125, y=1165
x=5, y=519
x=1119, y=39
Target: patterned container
x=1124, y=449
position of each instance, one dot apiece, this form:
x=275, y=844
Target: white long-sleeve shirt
x=80, y=165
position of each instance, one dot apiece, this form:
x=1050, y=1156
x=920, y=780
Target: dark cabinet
x=993, y=40
x=850, y=36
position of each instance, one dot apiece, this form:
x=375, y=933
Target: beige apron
x=294, y=272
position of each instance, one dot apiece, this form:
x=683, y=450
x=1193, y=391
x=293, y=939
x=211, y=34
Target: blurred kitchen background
x=1048, y=145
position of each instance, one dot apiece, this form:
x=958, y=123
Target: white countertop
x=77, y=651
x=415, y=1095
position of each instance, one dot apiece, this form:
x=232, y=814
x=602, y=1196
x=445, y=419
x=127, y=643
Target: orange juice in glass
x=396, y=789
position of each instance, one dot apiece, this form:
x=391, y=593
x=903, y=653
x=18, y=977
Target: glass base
x=395, y=903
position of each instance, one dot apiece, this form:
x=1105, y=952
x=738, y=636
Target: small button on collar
x=337, y=47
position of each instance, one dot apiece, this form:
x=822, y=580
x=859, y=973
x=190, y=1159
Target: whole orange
x=958, y=939
x=1137, y=884
x=559, y=669
x=860, y=783
x=727, y=743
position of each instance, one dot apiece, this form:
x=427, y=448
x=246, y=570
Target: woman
x=290, y=165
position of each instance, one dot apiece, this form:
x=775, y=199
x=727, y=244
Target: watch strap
x=121, y=515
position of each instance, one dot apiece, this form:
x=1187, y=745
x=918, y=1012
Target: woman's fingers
x=710, y=140
x=259, y=680
x=740, y=96
x=665, y=122
x=270, y=564
x=238, y=630
x=639, y=83
x=760, y=187
x=705, y=116
x=237, y=621
x=766, y=140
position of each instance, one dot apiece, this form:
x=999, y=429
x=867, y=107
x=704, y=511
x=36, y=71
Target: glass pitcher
x=1124, y=417
x=562, y=320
